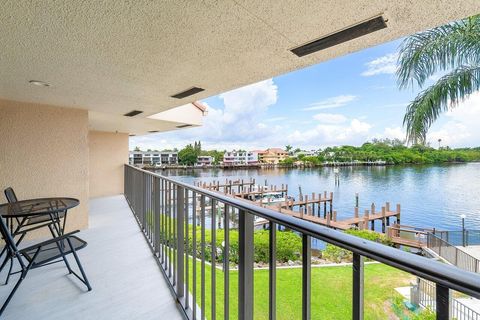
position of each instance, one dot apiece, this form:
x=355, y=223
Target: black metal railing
x=176, y=216
x=452, y=254
x=458, y=310
x=460, y=238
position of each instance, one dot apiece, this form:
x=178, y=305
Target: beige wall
x=108, y=154
x=44, y=153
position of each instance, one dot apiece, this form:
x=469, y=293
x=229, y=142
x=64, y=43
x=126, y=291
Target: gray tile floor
x=126, y=281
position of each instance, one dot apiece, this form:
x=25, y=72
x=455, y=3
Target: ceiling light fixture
x=188, y=92
x=132, y=113
x=39, y=83
x=342, y=36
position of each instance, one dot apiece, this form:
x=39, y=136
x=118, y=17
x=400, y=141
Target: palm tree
x=453, y=49
x=439, y=142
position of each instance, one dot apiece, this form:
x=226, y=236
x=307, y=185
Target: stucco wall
x=108, y=154
x=44, y=153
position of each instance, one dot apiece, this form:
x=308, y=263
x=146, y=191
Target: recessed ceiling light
x=188, y=92
x=353, y=32
x=132, y=113
x=39, y=83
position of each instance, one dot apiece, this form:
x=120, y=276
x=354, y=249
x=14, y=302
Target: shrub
x=337, y=254
x=289, y=245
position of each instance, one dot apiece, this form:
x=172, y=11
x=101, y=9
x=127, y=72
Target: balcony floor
x=126, y=280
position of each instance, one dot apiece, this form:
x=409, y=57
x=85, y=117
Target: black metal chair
x=42, y=254
x=33, y=222
x=24, y=226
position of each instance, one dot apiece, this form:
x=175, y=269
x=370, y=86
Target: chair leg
x=9, y=271
x=3, y=251
x=4, y=263
x=22, y=276
x=60, y=245
x=74, y=252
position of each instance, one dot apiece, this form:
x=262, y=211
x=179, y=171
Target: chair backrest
x=10, y=195
x=7, y=236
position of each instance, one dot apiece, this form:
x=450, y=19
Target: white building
x=236, y=158
x=306, y=153
x=205, y=160
x=153, y=157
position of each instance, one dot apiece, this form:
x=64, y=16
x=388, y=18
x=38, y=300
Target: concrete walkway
x=471, y=250
x=127, y=282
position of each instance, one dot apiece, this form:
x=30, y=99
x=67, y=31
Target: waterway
x=430, y=195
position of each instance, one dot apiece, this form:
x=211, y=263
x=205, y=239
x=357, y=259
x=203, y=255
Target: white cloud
x=386, y=64
x=333, y=102
x=461, y=127
x=331, y=118
x=394, y=133
x=276, y=119
x=236, y=123
x=391, y=133
x=355, y=132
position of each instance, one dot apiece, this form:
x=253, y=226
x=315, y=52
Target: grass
x=331, y=292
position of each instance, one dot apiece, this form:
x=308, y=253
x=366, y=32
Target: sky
x=345, y=101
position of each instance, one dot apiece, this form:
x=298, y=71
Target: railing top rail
x=457, y=231
x=449, y=276
x=407, y=227
x=451, y=245
x=408, y=230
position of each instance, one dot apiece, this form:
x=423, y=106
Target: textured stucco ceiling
x=114, y=56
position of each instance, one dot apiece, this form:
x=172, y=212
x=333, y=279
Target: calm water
x=430, y=196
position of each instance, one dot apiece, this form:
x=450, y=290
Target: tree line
x=393, y=151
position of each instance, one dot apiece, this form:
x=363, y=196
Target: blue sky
x=345, y=101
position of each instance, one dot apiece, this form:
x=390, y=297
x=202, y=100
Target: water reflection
x=431, y=196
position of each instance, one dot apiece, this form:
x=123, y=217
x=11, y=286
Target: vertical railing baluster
x=202, y=244
x=144, y=201
x=358, y=287
x=245, y=266
x=194, y=255
x=272, y=268
x=149, y=207
x=306, y=277
x=162, y=219
x=156, y=204
x=226, y=263
x=443, y=302
x=180, y=243
x=169, y=223
x=213, y=205
x=186, y=239
x=174, y=232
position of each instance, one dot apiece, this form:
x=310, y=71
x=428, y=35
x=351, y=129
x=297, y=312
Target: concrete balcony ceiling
x=112, y=57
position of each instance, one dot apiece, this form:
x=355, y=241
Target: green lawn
x=331, y=292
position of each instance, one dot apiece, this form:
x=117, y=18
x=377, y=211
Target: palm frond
x=438, y=49
x=442, y=96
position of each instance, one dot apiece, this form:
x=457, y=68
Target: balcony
x=168, y=210
x=80, y=78
x=126, y=281
x=130, y=282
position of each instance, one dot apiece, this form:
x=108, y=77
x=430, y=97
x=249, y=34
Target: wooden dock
x=318, y=208
x=403, y=235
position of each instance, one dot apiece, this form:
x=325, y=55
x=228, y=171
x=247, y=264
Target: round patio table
x=35, y=207
x=32, y=209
